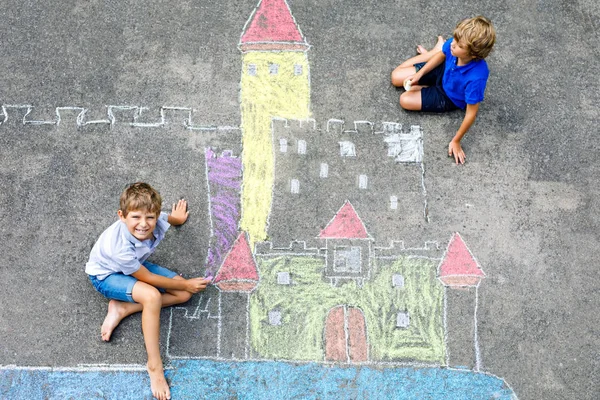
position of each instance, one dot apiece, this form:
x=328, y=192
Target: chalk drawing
x=238, y=271
x=270, y=37
x=223, y=176
x=133, y=116
x=345, y=224
x=329, y=311
x=459, y=268
x=391, y=310
x=277, y=380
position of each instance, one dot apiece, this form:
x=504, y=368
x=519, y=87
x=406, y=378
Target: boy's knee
x=148, y=295
x=395, y=78
x=184, y=296
x=403, y=101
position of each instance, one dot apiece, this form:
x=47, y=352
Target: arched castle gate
x=346, y=335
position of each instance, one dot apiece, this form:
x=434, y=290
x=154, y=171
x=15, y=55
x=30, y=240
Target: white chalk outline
x=111, y=119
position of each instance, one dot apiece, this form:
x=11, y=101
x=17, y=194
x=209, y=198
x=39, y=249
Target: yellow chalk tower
x=275, y=83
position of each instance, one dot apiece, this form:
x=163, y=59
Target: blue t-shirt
x=465, y=84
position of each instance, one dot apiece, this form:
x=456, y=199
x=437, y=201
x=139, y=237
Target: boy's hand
x=413, y=79
x=455, y=149
x=195, y=285
x=179, y=213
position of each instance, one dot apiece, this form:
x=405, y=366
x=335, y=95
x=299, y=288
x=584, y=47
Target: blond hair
x=140, y=196
x=477, y=34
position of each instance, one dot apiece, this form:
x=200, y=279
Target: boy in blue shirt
x=118, y=269
x=450, y=76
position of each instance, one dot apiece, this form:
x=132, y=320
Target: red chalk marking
x=345, y=225
x=236, y=286
x=335, y=336
x=272, y=26
x=238, y=271
x=458, y=266
x=357, y=335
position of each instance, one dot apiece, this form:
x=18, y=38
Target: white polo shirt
x=117, y=250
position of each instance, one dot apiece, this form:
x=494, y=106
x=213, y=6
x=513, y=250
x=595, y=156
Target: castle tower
x=348, y=247
x=235, y=280
x=275, y=82
x=461, y=275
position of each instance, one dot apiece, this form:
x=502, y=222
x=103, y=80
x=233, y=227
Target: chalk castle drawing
x=346, y=291
x=330, y=294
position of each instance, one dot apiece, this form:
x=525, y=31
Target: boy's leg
x=119, y=310
x=151, y=301
x=407, y=69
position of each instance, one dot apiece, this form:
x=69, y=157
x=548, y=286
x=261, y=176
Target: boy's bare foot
x=158, y=383
x=439, y=44
x=421, y=49
x=113, y=318
x=437, y=47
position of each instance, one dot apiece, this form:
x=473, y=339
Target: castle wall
x=386, y=193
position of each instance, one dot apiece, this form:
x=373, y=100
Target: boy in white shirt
x=118, y=269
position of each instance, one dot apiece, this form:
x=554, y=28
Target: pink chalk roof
x=239, y=263
x=346, y=224
x=272, y=23
x=458, y=260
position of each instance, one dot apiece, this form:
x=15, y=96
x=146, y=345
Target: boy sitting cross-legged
x=453, y=75
x=118, y=269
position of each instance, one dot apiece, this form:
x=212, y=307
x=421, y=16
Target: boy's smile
x=139, y=223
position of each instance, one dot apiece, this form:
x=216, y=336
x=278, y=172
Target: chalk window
x=346, y=259
x=252, y=69
x=301, y=146
x=295, y=186
x=324, y=173
x=402, y=319
x=363, y=180
x=283, y=278
x=394, y=149
x=275, y=317
x=273, y=69
x=393, y=202
x=283, y=145
x=397, y=281
x=297, y=69
x=347, y=149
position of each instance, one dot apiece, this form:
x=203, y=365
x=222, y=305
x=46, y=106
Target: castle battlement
x=397, y=248
x=293, y=136
x=430, y=249
x=336, y=127
x=134, y=116
x=297, y=248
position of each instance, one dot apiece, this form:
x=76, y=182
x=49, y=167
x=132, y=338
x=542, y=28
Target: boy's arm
x=433, y=62
x=193, y=285
x=179, y=213
x=454, y=148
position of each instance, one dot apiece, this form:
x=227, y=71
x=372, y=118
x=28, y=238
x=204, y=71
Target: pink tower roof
x=458, y=266
x=346, y=224
x=238, y=271
x=272, y=27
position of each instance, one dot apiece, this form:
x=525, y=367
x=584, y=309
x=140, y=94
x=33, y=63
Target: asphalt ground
x=526, y=201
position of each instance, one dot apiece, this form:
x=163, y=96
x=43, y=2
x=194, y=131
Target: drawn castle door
x=345, y=335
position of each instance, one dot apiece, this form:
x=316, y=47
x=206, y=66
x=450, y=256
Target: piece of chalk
x=407, y=85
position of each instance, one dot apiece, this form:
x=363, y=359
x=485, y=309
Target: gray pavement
x=526, y=202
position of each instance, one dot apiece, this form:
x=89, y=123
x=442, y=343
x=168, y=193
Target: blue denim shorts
x=433, y=97
x=119, y=286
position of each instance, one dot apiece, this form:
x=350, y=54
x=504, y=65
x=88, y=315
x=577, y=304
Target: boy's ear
x=120, y=214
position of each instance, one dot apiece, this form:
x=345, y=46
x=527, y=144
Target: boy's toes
x=421, y=49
